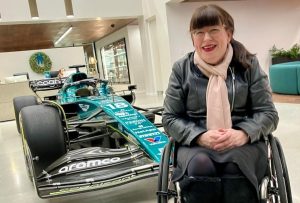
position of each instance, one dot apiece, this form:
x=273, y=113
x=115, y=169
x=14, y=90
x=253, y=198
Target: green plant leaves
x=292, y=53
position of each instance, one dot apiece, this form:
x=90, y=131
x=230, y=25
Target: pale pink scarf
x=217, y=103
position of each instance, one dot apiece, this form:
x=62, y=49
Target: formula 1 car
x=86, y=137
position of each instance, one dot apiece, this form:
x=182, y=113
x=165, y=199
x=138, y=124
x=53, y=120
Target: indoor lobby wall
x=259, y=25
x=15, y=62
x=155, y=45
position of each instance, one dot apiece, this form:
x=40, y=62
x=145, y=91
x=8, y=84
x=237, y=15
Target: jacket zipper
x=233, y=87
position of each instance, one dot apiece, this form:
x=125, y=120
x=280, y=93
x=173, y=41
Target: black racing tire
x=28, y=161
x=285, y=171
x=43, y=132
x=278, y=171
x=21, y=102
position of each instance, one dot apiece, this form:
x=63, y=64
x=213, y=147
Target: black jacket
x=253, y=111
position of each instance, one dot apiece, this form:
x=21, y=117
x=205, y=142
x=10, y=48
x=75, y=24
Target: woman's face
x=211, y=43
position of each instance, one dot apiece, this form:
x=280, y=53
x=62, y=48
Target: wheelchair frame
x=274, y=188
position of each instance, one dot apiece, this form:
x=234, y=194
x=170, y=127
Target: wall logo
x=40, y=62
x=155, y=139
x=84, y=107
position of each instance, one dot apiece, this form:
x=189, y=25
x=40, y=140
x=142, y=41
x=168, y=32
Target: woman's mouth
x=209, y=48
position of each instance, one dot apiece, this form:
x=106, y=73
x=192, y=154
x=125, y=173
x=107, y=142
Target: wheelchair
x=274, y=188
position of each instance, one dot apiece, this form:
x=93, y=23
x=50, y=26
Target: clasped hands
x=222, y=139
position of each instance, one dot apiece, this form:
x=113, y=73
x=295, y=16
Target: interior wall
x=134, y=53
x=107, y=9
x=259, y=25
x=155, y=10
x=18, y=10
x=135, y=57
x=15, y=62
x=155, y=56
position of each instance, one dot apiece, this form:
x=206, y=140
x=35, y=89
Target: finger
x=223, y=145
x=224, y=137
x=217, y=135
x=222, y=130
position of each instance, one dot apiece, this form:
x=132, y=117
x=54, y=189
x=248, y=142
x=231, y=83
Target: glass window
x=114, y=60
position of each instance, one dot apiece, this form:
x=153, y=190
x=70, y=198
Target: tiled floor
x=15, y=187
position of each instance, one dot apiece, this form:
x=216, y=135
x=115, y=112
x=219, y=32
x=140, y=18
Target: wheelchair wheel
x=163, y=177
x=285, y=171
x=278, y=173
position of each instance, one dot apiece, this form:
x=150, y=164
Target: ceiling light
x=33, y=9
x=69, y=8
x=65, y=34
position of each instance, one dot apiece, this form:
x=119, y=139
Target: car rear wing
x=46, y=84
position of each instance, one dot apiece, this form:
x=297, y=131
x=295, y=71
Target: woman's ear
x=192, y=39
x=229, y=34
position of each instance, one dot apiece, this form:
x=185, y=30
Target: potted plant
x=282, y=56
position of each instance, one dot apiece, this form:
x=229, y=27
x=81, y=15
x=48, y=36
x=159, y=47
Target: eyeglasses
x=213, y=32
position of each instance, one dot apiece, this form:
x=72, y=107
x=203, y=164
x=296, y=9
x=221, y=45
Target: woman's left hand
x=230, y=139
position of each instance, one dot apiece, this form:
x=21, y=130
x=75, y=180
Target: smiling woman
x=215, y=109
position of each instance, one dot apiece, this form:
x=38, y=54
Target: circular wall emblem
x=40, y=62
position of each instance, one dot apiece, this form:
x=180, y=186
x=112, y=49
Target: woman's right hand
x=210, y=138
x=222, y=139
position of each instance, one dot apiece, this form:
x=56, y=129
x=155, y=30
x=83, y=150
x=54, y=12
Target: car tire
x=43, y=133
x=21, y=102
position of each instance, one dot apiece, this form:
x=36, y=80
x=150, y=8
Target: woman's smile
x=209, y=48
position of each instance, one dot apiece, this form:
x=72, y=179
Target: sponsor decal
x=150, y=135
x=48, y=82
x=122, y=113
x=88, y=164
x=84, y=107
x=155, y=139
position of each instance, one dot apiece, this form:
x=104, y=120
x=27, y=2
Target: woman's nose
x=206, y=36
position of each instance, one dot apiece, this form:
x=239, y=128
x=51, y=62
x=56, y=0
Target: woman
x=218, y=106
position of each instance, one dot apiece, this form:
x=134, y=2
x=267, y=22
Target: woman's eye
x=199, y=32
x=213, y=31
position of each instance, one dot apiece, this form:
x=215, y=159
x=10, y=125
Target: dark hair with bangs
x=210, y=15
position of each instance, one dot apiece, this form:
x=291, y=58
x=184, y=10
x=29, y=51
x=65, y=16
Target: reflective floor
x=15, y=186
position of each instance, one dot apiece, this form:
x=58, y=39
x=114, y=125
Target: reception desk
x=7, y=93
x=12, y=90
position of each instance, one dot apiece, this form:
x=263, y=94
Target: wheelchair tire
x=278, y=171
x=163, y=177
x=43, y=133
x=285, y=171
x=21, y=102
